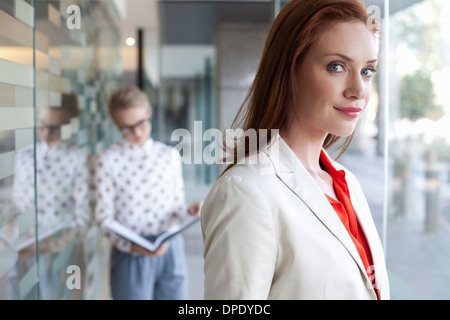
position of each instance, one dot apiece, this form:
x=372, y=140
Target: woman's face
x=334, y=80
x=134, y=123
x=50, y=120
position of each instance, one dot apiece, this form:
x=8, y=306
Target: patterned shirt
x=140, y=187
x=62, y=176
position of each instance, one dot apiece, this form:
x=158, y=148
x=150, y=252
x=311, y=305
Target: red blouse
x=344, y=209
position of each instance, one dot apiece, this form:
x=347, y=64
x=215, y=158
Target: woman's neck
x=307, y=148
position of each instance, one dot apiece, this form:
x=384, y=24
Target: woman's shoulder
x=251, y=171
x=241, y=181
x=239, y=184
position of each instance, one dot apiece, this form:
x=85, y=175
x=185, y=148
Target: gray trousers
x=144, y=278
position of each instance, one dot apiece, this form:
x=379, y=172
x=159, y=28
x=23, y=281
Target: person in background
x=139, y=183
x=296, y=224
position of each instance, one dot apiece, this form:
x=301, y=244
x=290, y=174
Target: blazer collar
x=294, y=175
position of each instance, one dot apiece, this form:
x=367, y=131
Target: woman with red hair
x=296, y=224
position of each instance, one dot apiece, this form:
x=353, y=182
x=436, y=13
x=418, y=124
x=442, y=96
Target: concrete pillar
x=239, y=49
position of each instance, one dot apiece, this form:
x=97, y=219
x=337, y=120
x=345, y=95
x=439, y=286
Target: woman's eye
x=369, y=72
x=336, y=67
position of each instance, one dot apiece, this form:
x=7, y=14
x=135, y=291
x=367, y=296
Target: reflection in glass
x=43, y=174
x=62, y=183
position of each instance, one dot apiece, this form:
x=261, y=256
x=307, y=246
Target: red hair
x=268, y=104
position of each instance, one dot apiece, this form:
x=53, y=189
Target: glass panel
x=56, y=89
x=18, y=268
x=75, y=69
x=419, y=207
x=187, y=102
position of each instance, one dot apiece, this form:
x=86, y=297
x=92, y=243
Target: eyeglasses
x=50, y=129
x=126, y=130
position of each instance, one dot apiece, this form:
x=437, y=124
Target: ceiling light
x=130, y=41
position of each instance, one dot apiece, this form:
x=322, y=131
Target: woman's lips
x=350, y=111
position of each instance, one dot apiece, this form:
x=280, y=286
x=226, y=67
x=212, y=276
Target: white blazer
x=269, y=232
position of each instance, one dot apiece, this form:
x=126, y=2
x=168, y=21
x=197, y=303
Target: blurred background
x=60, y=60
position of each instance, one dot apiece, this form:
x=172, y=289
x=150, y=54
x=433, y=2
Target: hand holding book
x=195, y=208
x=135, y=248
x=153, y=244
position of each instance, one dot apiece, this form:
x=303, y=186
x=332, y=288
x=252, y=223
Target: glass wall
x=418, y=222
x=401, y=155
x=58, y=63
x=187, y=101
x=17, y=132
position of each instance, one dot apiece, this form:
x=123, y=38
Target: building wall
x=239, y=48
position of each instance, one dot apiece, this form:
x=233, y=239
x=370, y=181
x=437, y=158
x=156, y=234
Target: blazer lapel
x=295, y=176
x=366, y=221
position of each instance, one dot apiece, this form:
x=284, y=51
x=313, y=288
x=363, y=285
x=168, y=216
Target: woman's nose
x=356, y=88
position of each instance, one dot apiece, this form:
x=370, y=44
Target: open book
x=149, y=244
